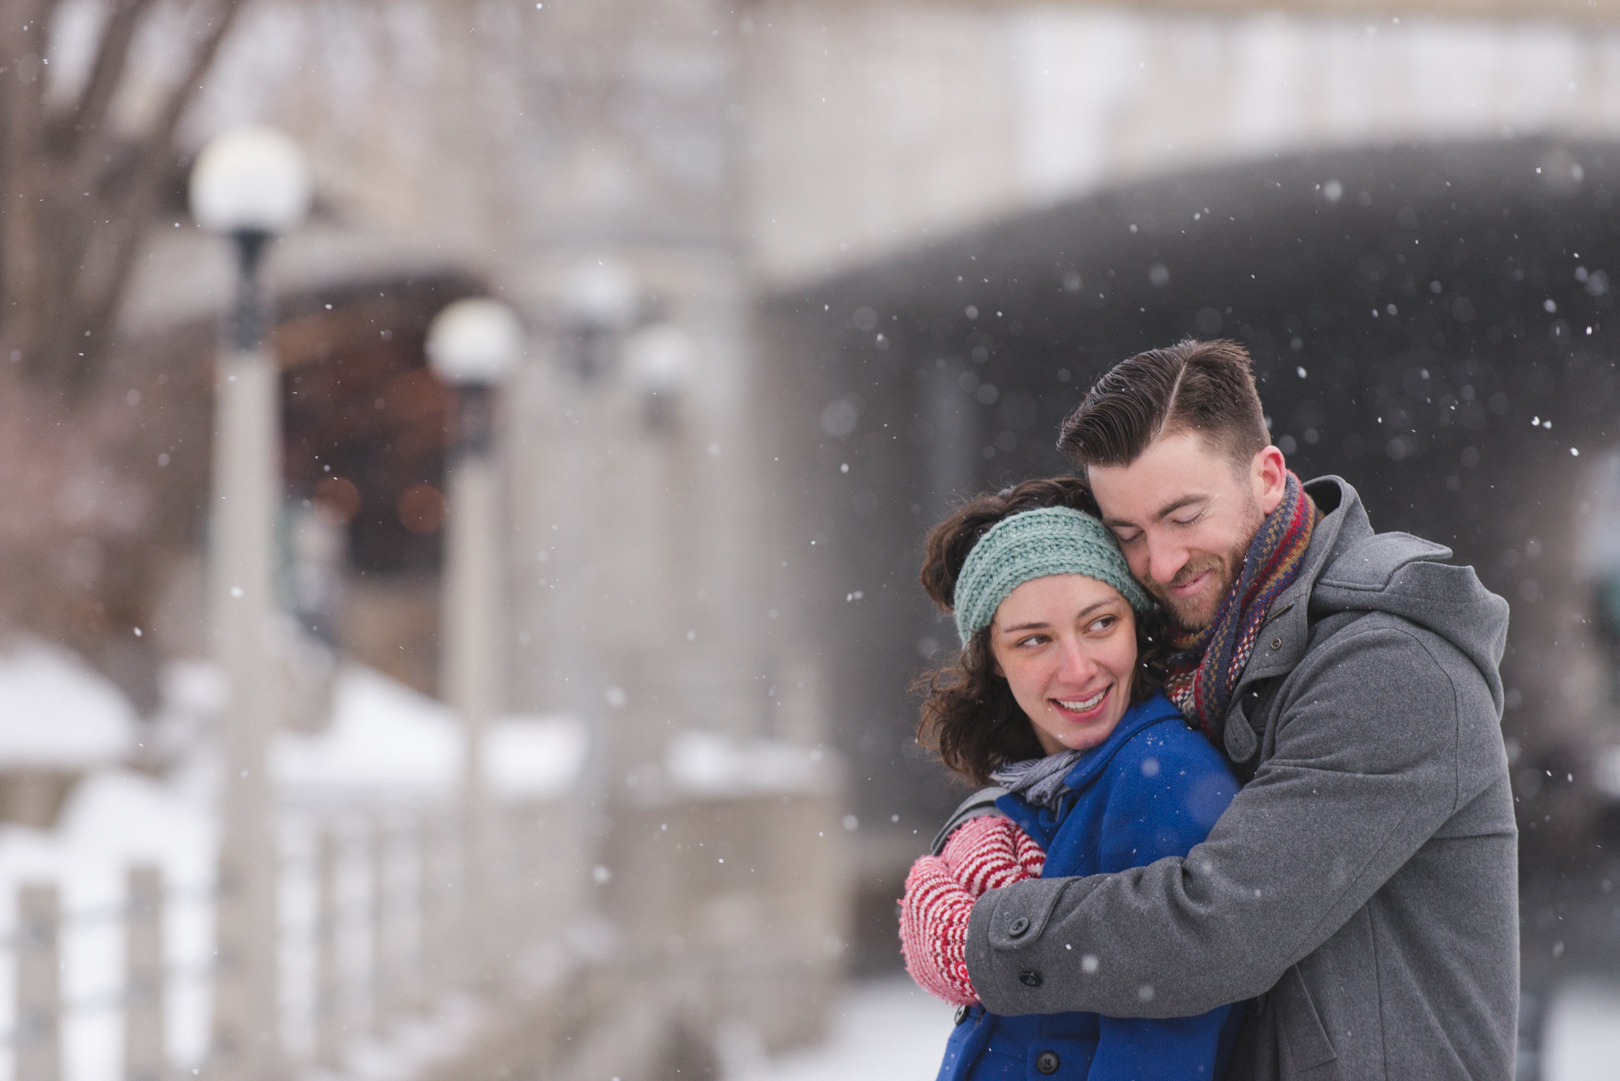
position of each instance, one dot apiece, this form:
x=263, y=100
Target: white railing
x=711, y=907
x=370, y=936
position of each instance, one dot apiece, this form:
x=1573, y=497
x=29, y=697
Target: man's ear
x=1268, y=477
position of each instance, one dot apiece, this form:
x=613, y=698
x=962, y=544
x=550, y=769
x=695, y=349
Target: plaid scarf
x=1207, y=663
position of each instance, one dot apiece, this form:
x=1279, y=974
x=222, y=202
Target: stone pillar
x=474, y=672
x=246, y=1044
x=440, y=965
x=146, y=982
x=329, y=998
x=388, y=977
x=39, y=994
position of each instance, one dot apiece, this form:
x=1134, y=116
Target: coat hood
x=1362, y=571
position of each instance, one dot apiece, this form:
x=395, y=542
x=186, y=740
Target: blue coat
x=1152, y=789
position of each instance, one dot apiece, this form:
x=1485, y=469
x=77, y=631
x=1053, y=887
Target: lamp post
x=473, y=345
x=658, y=363
x=249, y=185
x=599, y=300
x=655, y=478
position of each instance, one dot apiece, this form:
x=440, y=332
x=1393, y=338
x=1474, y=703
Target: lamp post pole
x=654, y=477
x=600, y=301
x=473, y=346
x=248, y=184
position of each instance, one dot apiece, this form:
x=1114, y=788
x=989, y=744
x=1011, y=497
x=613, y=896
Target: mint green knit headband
x=1035, y=544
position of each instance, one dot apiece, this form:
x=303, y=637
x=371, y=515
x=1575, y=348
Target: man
x=1362, y=887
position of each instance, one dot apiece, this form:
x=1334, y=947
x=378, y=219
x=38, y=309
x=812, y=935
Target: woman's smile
x=1082, y=709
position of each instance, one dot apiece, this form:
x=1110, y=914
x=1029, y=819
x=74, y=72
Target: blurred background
x=466, y=464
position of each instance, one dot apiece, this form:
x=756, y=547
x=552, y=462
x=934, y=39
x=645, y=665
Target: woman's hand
x=984, y=853
x=933, y=931
x=989, y=852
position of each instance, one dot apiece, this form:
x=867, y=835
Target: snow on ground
x=1581, y=1037
x=889, y=1029
x=884, y=1028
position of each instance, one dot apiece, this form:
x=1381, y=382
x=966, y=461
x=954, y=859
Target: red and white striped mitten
x=989, y=852
x=933, y=931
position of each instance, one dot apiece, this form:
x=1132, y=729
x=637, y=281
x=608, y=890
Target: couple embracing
x=1247, y=811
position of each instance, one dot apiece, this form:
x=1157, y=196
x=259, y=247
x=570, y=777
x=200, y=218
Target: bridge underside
x=1433, y=323
x=1596, y=11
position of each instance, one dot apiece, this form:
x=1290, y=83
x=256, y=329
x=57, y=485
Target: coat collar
x=1283, y=638
x=1140, y=716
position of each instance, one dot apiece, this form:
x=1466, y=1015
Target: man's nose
x=1165, y=559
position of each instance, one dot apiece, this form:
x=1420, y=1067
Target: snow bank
x=389, y=742
x=193, y=688
x=386, y=741
x=710, y=763
x=56, y=712
x=528, y=758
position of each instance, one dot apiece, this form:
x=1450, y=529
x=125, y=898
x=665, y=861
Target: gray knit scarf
x=1038, y=780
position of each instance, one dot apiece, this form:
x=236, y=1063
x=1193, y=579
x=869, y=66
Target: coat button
x=1019, y=926
x=1276, y=643
x=961, y=1013
x=1029, y=978
x=1047, y=1062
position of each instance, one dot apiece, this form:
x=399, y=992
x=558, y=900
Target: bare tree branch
x=23, y=39
x=76, y=200
x=112, y=57
x=105, y=279
x=223, y=16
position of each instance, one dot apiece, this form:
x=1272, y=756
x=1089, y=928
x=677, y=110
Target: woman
x=1056, y=697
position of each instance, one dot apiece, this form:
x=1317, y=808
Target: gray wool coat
x=1363, y=885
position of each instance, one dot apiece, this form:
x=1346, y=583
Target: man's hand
x=985, y=853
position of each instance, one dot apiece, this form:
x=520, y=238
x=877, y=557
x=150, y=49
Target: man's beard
x=1198, y=612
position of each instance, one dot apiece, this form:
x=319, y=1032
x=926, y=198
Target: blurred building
x=900, y=240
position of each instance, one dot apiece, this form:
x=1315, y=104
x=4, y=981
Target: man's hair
x=1204, y=387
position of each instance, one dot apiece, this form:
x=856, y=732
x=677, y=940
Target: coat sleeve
x=1165, y=805
x=1363, y=772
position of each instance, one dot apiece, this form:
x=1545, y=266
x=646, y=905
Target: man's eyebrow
x=1161, y=514
x=1170, y=508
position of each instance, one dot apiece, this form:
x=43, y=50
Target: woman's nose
x=1074, y=662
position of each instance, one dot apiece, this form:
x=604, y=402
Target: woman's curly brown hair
x=969, y=715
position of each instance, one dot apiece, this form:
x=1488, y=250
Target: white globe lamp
x=476, y=341
x=252, y=179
